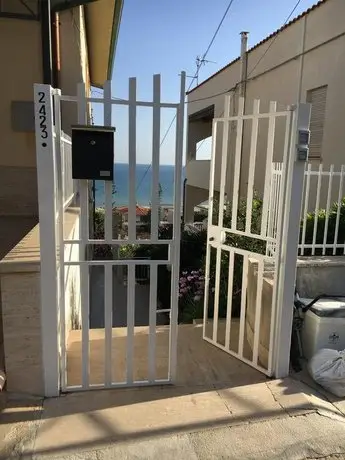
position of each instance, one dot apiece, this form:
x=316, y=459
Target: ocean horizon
x=143, y=184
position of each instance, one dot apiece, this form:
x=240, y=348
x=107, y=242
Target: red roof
x=139, y=211
x=319, y=3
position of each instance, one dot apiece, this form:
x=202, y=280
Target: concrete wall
x=193, y=197
x=288, y=70
x=20, y=55
x=315, y=276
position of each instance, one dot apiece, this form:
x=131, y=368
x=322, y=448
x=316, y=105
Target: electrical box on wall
x=93, y=152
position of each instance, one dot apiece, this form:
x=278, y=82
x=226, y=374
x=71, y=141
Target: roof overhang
x=102, y=19
x=102, y=27
x=203, y=115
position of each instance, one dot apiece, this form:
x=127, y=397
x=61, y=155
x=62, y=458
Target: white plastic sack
x=327, y=367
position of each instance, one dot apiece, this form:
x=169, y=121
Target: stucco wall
x=20, y=51
x=20, y=54
x=277, y=78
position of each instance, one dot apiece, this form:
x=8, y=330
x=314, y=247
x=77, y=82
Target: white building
x=304, y=61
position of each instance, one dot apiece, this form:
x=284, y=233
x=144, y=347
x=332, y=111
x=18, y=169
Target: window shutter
x=317, y=97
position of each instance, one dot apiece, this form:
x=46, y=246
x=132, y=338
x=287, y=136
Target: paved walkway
x=142, y=306
x=278, y=419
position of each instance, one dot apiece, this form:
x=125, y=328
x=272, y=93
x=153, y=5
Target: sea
x=143, y=185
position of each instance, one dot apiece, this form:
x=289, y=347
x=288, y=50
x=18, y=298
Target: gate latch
x=303, y=144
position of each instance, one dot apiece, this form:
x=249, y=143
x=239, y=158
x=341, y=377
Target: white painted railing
x=323, y=208
x=66, y=163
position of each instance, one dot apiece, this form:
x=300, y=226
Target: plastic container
x=324, y=326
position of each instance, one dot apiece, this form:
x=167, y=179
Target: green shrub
x=100, y=251
x=243, y=242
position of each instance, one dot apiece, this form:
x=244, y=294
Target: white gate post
x=46, y=184
x=289, y=237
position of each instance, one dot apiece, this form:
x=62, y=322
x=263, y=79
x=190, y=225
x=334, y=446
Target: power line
x=218, y=28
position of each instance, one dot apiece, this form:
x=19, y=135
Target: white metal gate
x=64, y=252
x=250, y=272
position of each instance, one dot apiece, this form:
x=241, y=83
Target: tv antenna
x=201, y=61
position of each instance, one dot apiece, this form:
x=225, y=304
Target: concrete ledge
x=25, y=256
x=321, y=261
x=20, y=283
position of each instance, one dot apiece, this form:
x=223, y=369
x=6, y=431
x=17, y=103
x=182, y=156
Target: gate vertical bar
x=152, y=322
x=176, y=231
x=130, y=321
x=292, y=207
x=46, y=183
x=156, y=130
x=252, y=163
x=84, y=236
x=60, y=159
x=268, y=172
x=108, y=186
x=209, y=225
x=237, y=165
x=132, y=157
x=108, y=322
x=108, y=235
x=224, y=160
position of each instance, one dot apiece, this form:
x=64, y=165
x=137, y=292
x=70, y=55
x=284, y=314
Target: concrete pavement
x=273, y=419
x=142, y=302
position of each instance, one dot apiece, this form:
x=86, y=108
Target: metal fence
x=322, y=227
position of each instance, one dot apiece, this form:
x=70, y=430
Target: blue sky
x=160, y=36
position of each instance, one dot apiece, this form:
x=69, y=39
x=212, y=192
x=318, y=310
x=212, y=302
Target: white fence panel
x=322, y=226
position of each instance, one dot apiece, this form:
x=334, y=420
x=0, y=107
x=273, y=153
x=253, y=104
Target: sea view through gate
x=143, y=185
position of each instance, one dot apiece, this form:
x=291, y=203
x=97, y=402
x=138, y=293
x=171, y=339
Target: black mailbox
x=93, y=152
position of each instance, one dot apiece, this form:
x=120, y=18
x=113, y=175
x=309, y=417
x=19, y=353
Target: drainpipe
x=56, y=49
x=183, y=201
x=46, y=39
